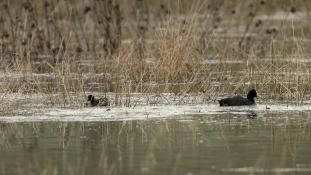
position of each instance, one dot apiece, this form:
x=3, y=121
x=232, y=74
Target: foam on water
x=261, y=170
x=93, y=114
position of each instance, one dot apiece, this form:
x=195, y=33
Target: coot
x=240, y=101
x=103, y=101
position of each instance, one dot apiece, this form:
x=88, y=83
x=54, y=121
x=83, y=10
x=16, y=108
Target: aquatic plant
x=68, y=48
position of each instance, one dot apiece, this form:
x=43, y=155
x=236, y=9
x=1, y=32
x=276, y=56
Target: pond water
x=265, y=142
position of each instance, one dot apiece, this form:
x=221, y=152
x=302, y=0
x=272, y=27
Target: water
x=221, y=143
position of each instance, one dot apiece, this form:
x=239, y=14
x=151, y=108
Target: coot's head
x=251, y=94
x=90, y=97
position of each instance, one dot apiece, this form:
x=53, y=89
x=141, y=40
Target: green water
x=272, y=143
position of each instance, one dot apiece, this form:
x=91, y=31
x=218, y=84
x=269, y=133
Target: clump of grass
x=181, y=50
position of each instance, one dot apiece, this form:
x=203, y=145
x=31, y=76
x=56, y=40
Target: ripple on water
x=184, y=112
x=262, y=170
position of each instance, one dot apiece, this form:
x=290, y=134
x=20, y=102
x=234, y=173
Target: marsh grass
x=209, y=47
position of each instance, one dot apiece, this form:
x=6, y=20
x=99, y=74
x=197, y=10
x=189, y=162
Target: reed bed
x=180, y=47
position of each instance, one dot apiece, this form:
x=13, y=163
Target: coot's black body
x=104, y=101
x=240, y=101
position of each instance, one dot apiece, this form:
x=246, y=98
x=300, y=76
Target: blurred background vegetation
x=32, y=28
x=182, y=46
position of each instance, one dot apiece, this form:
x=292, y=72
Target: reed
x=210, y=47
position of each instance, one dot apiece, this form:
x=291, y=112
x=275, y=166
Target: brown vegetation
x=179, y=47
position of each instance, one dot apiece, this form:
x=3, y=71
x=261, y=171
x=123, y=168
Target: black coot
x=104, y=101
x=240, y=101
x=92, y=100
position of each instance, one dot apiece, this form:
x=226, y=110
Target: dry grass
x=211, y=47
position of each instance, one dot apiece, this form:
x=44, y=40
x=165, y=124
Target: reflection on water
x=270, y=143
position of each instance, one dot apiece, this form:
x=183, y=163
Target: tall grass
x=210, y=47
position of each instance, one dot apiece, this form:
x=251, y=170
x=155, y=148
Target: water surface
x=224, y=143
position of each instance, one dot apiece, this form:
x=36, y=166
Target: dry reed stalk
x=174, y=55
